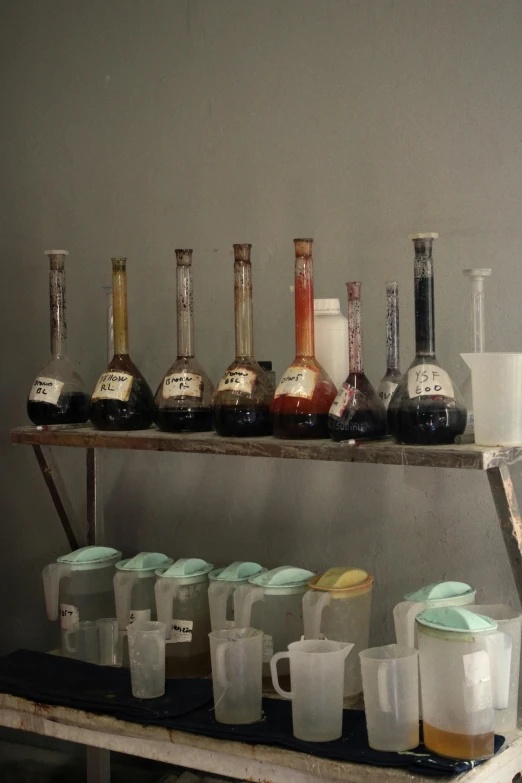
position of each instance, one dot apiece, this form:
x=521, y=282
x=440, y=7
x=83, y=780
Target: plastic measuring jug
x=338, y=607
x=427, y=597
x=223, y=583
x=78, y=587
x=496, y=382
x=237, y=658
x=465, y=671
x=147, y=658
x=95, y=641
x=182, y=604
x=317, y=675
x=272, y=601
x=390, y=678
x=134, y=587
x=509, y=621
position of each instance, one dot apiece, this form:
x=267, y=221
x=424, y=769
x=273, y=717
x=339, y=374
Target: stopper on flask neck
x=56, y=258
x=303, y=247
x=119, y=263
x=392, y=289
x=183, y=257
x=354, y=290
x=242, y=252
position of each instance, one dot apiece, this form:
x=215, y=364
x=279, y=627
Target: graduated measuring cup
x=496, y=381
x=237, y=658
x=390, y=677
x=95, y=641
x=317, y=676
x=147, y=658
x=223, y=584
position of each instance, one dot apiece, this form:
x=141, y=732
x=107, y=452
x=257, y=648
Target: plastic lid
x=56, y=252
x=456, y=618
x=340, y=578
x=284, y=576
x=187, y=567
x=327, y=305
x=428, y=235
x=89, y=554
x=439, y=591
x=238, y=571
x=145, y=561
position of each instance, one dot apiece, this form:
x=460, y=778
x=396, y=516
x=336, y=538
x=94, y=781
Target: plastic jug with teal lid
x=78, y=587
x=134, y=587
x=223, y=583
x=465, y=667
x=445, y=593
x=338, y=607
x=272, y=602
x=181, y=593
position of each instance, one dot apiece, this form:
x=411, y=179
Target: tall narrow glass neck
x=392, y=327
x=355, y=327
x=110, y=325
x=243, y=307
x=304, y=304
x=185, y=303
x=477, y=277
x=119, y=305
x=424, y=298
x=57, y=305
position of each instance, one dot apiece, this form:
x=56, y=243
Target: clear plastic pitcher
x=237, y=658
x=147, y=658
x=390, y=678
x=95, y=642
x=427, y=597
x=134, y=587
x=223, y=584
x=317, y=676
x=338, y=607
x=496, y=380
x=465, y=671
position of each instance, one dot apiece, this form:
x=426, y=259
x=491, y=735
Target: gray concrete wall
x=135, y=127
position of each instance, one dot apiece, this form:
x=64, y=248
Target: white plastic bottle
x=331, y=339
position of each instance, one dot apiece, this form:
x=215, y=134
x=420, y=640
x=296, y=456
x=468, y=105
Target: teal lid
x=455, y=618
x=236, y=572
x=90, y=556
x=284, y=576
x=438, y=591
x=186, y=567
x=145, y=561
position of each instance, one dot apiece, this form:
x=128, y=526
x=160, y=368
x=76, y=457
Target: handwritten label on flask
x=183, y=384
x=240, y=380
x=181, y=631
x=139, y=614
x=298, y=382
x=113, y=386
x=385, y=392
x=428, y=380
x=69, y=617
x=344, y=396
x=46, y=390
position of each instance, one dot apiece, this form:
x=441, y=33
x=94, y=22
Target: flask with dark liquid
x=426, y=407
x=241, y=402
x=357, y=412
x=122, y=399
x=184, y=395
x=58, y=393
x=305, y=392
x=392, y=376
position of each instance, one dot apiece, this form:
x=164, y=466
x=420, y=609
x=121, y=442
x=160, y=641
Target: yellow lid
x=342, y=580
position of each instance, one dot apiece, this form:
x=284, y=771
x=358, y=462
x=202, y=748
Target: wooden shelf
x=385, y=452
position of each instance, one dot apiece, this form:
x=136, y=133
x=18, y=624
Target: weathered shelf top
x=378, y=452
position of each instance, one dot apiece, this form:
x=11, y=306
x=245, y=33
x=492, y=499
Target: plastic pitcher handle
x=244, y=598
x=51, y=576
x=218, y=593
x=68, y=646
x=221, y=666
x=164, y=590
x=383, y=688
x=161, y=651
x=404, y=615
x=499, y=648
x=275, y=681
x=123, y=584
x=313, y=605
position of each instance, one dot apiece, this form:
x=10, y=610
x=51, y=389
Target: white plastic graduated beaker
x=317, y=676
x=496, y=380
x=95, y=641
x=237, y=658
x=390, y=677
x=147, y=658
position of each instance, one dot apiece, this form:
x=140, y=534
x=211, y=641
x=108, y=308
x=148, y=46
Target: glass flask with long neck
x=184, y=395
x=58, y=394
x=107, y=290
x=426, y=408
x=122, y=399
x=392, y=376
x=305, y=392
x=357, y=412
x=241, y=402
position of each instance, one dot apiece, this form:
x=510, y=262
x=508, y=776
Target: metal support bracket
x=58, y=492
x=510, y=521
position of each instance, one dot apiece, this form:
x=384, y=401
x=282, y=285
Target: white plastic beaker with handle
x=237, y=659
x=390, y=677
x=147, y=658
x=223, y=585
x=317, y=676
x=95, y=641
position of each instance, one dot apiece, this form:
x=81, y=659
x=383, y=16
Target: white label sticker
x=240, y=380
x=477, y=682
x=344, y=396
x=69, y=617
x=385, y=392
x=298, y=382
x=181, y=631
x=139, y=614
x=428, y=380
x=268, y=648
x=183, y=384
x=113, y=386
x=46, y=390
x=476, y=667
